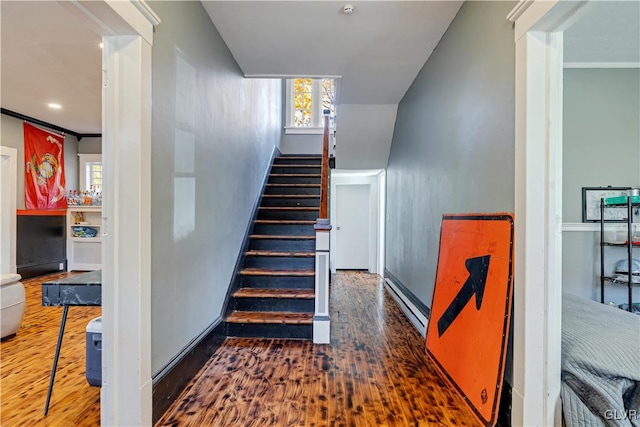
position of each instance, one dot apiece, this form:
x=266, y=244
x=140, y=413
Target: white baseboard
x=417, y=319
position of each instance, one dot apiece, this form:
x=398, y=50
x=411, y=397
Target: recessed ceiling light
x=101, y=45
x=54, y=105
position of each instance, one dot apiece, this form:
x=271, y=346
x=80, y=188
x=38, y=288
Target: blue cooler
x=94, y=352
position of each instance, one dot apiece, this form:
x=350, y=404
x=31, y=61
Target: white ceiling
x=605, y=32
x=48, y=55
x=378, y=50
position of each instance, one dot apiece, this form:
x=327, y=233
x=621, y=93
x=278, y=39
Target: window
x=94, y=175
x=306, y=100
x=90, y=172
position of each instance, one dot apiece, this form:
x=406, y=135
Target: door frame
x=376, y=179
x=8, y=194
x=539, y=27
x=127, y=34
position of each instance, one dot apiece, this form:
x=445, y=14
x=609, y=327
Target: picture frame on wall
x=591, y=197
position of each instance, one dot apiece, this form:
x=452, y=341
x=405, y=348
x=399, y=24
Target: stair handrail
x=321, y=319
x=324, y=180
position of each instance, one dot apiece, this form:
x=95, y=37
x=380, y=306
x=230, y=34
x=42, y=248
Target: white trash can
x=94, y=352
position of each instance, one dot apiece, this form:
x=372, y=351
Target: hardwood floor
x=374, y=373
x=25, y=366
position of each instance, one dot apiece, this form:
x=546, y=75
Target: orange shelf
x=41, y=212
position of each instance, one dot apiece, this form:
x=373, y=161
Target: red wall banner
x=44, y=183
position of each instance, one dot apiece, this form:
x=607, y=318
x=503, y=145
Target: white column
x=538, y=230
x=127, y=28
x=126, y=394
x=321, y=320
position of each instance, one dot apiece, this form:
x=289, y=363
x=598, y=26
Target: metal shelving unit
x=630, y=206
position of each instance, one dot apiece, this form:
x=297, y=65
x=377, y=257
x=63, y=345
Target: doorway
x=127, y=31
x=538, y=36
x=352, y=227
x=362, y=195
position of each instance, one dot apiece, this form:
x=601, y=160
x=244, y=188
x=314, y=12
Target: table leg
x=55, y=358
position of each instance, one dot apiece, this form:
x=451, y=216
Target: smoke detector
x=348, y=9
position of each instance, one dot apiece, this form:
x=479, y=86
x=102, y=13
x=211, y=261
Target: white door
x=352, y=227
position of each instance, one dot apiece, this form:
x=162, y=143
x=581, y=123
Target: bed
x=600, y=364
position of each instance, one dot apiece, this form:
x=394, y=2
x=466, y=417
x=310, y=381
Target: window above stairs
x=307, y=98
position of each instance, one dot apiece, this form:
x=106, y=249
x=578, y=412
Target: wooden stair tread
x=289, y=208
x=296, y=175
x=292, y=196
x=270, y=317
x=277, y=272
x=281, y=253
x=277, y=237
x=296, y=166
x=292, y=185
x=299, y=157
x=275, y=293
x=286, y=221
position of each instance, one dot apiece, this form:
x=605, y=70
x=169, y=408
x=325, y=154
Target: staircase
x=276, y=296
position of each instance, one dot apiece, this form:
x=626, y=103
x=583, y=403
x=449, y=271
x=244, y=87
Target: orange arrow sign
x=474, y=285
x=471, y=307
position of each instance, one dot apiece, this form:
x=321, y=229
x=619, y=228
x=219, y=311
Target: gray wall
x=453, y=144
x=12, y=135
x=601, y=146
x=90, y=146
x=364, y=134
x=601, y=133
x=213, y=133
x=300, y=143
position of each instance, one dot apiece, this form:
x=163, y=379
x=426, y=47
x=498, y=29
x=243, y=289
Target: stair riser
x=308, y=169
x=292, y=190
x=278, y=282
x=291, y=202
x=288, y=215
x=299, y=161
x=284, y=230
x=250, y=330
x=282, y=245
x=283, y=263
x=274, y=304
x=294, y=179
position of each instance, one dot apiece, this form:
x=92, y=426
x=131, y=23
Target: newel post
x=321, y=320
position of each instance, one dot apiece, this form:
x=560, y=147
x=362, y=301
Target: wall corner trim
x=520, y=8
x=146, y=10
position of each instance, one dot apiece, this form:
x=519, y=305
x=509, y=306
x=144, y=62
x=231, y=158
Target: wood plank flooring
x=25, y=366
x=374, y=373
